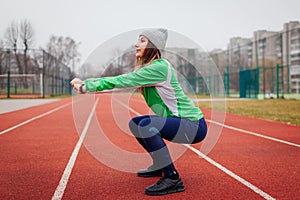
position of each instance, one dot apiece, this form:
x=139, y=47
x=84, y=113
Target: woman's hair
x=151, y=53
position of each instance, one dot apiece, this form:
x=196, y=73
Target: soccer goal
x=21, y=84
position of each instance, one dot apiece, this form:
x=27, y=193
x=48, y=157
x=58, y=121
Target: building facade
x=276, y=54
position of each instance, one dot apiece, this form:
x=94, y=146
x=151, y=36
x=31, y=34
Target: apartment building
x=291, y=53
x=265, y=48
x=184, y=59
x=219, y=56
x=238, y=53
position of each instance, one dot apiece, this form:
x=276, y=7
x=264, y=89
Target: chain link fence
x=265, y=66
x=34, y=73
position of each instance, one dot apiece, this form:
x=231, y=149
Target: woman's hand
x=78, y=85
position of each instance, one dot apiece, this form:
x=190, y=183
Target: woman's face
x=141, y=46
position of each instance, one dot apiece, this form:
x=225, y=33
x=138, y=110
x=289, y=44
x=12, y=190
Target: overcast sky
x=210, y=23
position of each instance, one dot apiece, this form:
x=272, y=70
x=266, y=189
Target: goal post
x=21, y=84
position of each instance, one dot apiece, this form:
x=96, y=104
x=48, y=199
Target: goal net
x=19, y=84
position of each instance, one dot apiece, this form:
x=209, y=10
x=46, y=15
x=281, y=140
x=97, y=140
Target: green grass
x=281, y=110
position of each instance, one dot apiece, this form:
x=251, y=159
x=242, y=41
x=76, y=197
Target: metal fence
x=34, y=73
x=270, y=60
x=264, y=66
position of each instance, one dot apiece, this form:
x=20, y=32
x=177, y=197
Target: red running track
x=36, y=155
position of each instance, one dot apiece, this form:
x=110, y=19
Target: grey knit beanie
x=157, y=36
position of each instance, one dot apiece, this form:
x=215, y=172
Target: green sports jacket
x=161, y=89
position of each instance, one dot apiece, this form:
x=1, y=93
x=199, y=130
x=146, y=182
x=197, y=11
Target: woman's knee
x=133, y=126
x=142, y=127
x=202, y=132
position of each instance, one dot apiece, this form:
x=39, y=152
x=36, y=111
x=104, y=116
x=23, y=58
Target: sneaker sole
x=150, y=175
x=170, y=191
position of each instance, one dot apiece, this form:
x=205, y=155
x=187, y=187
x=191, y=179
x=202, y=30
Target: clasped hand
x=76, y=83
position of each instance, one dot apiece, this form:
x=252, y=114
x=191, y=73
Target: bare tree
x=87, y=71
x=72, y=53
x=26, y=35
x=12, y=35
x=11, y=40
x=2, y=53
x=65, y=49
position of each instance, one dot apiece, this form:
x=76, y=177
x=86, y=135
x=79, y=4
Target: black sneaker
x=165, y=186
x=151, y=171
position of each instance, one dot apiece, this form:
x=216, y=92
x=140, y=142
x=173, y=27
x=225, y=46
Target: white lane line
x=34, y=118
x=59, y=192
x=219, y=166
x=230, y=173
x=233, y=128
x=253, y=133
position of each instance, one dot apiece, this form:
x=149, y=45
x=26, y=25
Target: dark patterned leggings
x=150, y=130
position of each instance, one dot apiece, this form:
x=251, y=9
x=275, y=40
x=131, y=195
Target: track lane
x=68, y=170
x=107, y=183
x=278, y=130
x=16, y=117
x=33, y=156
x=264, y=162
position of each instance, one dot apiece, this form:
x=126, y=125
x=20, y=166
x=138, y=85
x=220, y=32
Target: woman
x=177, y=119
